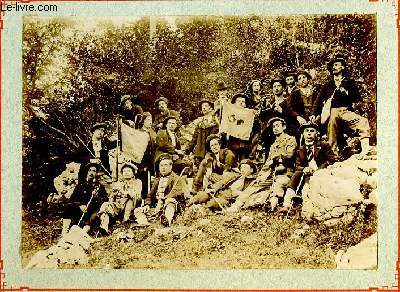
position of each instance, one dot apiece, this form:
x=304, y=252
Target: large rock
x=361, y=256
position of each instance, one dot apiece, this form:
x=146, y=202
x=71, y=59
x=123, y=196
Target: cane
x=87, y=206
x=297, y=190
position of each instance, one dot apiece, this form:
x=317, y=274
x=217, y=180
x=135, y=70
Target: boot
x=65, y=226
x=104, y=221
x=141, y=218
x=274, y=203
x=169, y=213
x=364, y=148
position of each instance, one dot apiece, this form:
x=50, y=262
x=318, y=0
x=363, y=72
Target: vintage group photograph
x=200, y=142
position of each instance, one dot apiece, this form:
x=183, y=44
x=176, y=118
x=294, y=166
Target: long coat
x=164, y=144
x=199, y=138
x=177, y=192
x=323, y=156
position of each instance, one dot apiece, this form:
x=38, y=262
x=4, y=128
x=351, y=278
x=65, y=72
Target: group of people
x=270, y=168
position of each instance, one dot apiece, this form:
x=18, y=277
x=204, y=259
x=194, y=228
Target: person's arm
x=353, y=92
x=150, y=197
x=192, y=143
x=321, y=97
x=293, y=99
x=163, y=143
x=179, y=189
x=299, y=162
x=229, y=160
x=329, y=155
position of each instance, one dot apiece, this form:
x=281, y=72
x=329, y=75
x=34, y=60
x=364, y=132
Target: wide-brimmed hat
x=277, y=79
x=127, y=97
x=274, y=119
x=170, y=117
x=212, y=137
x=337, y=58
x=162, y=98
x=303, y=72
x=130, y=165
x=308, y=125
x=206, y=101
x=250, y=163
x=164, y=156
x=221, y=86
x=98, y=126
x=238, y=95
x=290, y=73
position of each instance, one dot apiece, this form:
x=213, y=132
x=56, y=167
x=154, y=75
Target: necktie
x=310, y=153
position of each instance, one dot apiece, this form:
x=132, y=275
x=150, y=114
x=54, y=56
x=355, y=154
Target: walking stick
x=88, y=203
x=297, y=190
x=118, y=149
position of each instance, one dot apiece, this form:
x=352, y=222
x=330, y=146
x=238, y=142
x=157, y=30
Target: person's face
x=245, y=169
x=127, y=173
x=277, y=88
x=206, y=108
x=222, y=93
x=171, y=125
x=165, y=167
x=278, y=127
x=98, y=134
x=162, y=105
x=256, y=86
x=215, y=146
x=337, y=68
x=91, y=174
x=309, y=134
x=128, y=104
x=303, y=80
x=240, y=101
x=148, y=122
x=290, y=80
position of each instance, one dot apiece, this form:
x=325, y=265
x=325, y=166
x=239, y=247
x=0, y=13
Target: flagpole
x=118, y=146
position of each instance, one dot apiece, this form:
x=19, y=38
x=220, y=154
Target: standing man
x=206, y=126
x=341, y=92
x=130, y=112
x=313, y=155
x=167, y=192
x=222, y=97
x=290, y=80
x=164, y=112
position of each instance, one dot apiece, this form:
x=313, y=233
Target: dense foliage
x=74, y=77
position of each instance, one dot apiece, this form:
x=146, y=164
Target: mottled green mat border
x=220, y=279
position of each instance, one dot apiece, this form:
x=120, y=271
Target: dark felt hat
x=238, y=95
x=164, y=156
x=274, y=119
x=127, y=97
x=221, y=86
x=303, y=72
x=337, y=58
x=170, y=117
x=206, y=101
x=290, y=73
x=277, y=79
x=212, y=137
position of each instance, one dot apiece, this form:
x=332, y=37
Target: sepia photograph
x=199, y=142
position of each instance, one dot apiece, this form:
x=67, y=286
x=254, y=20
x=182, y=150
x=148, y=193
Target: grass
x=205, y=240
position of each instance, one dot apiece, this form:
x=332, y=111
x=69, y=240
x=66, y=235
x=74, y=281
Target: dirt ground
x=200, y=239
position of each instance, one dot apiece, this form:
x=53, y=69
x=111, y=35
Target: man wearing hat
x=97, y=149
x=222, y=91
x=167, y=142
x=125, y=197
x=311, y=156
x=86, y=200
x=216, y=162
x=167, y=192
x=164, y=112
x=290, y=80
x=340, y=92
x=130, y=112
x=223, y=191
x=301, y=100
x=205, y=126
x=277, y=169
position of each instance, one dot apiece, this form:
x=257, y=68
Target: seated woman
x=85, y=201
x=126, y=196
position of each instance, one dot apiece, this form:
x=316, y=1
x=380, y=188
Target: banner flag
x=237, y=121
x=133, y=143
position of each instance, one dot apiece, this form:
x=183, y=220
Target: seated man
x=167, y=192
x=125, y=197
x=85, y=201
x=65, y=183
x=311, y=156
x=162, y=105
x=167, y=142
x=215, y=163
x=129, y=111
x=280, y=161
x=220, y=193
